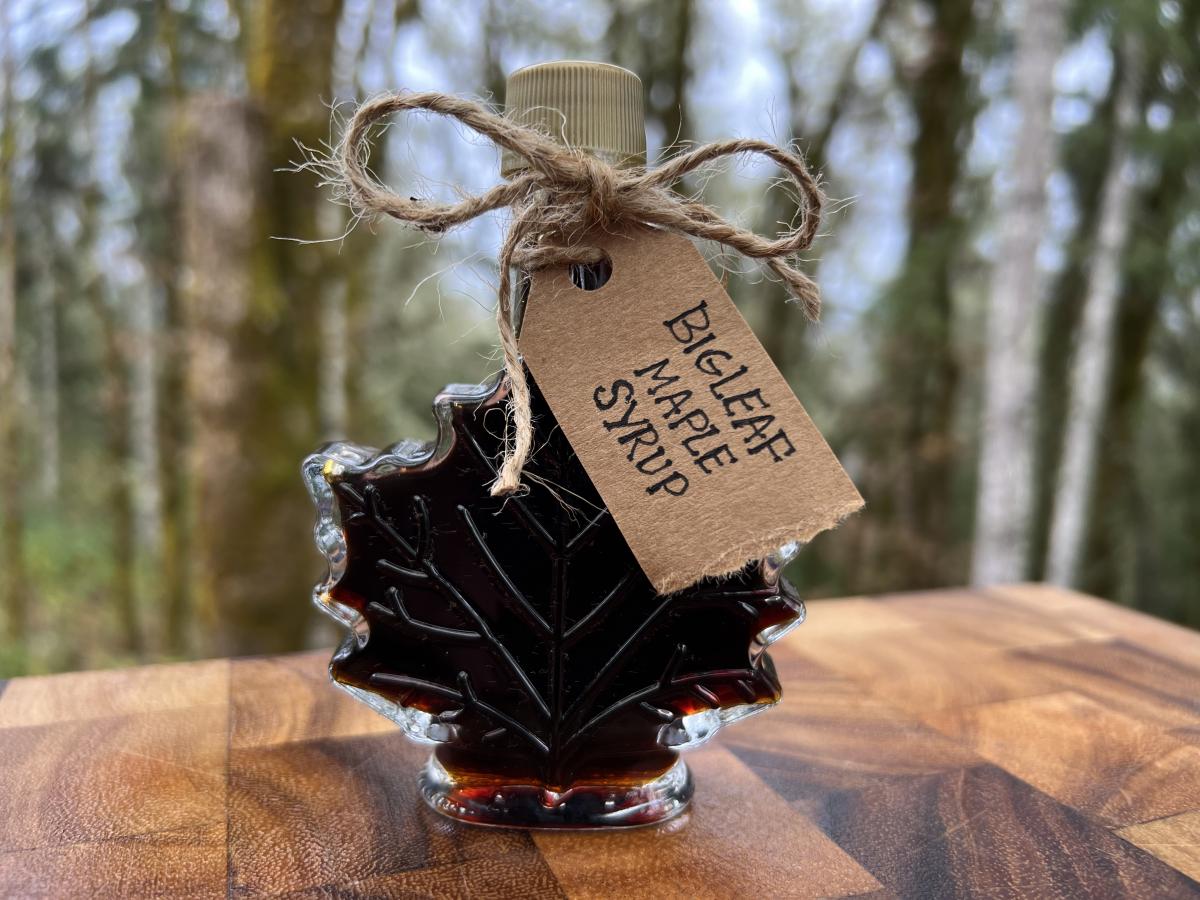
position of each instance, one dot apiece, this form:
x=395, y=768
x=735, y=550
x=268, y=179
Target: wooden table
x=1020, y=741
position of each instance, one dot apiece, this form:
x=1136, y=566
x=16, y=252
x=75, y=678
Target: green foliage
x=893, y=379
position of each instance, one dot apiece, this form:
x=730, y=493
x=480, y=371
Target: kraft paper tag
x=694, y=440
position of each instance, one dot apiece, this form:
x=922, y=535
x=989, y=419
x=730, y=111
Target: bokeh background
x=1007, y=362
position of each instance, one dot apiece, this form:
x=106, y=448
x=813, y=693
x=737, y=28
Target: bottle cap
x=591, y=106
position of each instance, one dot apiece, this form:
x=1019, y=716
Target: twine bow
x=556, y=201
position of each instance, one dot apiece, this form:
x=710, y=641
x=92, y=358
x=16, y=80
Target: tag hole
x=592, y=276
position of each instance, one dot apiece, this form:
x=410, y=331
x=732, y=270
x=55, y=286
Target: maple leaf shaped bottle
x=518, y=635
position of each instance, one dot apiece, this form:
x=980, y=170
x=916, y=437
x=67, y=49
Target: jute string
x=556, y=201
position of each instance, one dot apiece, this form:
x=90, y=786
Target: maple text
x=654, y=397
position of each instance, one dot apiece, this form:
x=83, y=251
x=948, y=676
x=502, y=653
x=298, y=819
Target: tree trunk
x=1141, y=546
x=259, y=340
x=1148, y=277
x=49, y=461
x=1093, y=352
x=122, y=589
x=118, y=438
x=12, y=552
x=143, y=442
x=335, y=363
x=907, y=427
x=783, y=324
x=174, y=455
x=678, y=74
x=1004, y=499
x=653, y=40
x=219, y=192
x=174, y=435
x=1086, y=155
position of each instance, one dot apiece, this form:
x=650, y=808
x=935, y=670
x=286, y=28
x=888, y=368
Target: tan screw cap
x=591, y=106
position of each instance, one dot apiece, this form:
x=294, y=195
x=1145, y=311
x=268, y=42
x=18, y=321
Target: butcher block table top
x=1021, y=741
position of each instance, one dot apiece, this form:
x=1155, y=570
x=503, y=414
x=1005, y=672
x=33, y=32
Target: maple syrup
x=579, y=671
x=522, y=634
x=518, y=635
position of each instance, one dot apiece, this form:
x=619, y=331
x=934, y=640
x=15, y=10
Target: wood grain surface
x=1013, y=742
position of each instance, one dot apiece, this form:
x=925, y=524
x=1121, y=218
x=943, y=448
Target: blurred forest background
x=1007, y=365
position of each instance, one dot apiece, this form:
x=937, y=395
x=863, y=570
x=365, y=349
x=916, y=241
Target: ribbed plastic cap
x=592, y=106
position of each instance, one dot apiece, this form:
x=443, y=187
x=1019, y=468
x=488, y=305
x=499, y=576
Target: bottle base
x=582, y=806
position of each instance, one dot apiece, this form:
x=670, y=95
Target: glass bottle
x=518, y=635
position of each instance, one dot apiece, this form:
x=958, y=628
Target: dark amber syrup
x=525, y=627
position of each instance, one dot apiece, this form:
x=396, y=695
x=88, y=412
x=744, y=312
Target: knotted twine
x=556, y=201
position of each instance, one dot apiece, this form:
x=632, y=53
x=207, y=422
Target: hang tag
x=694, y=440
